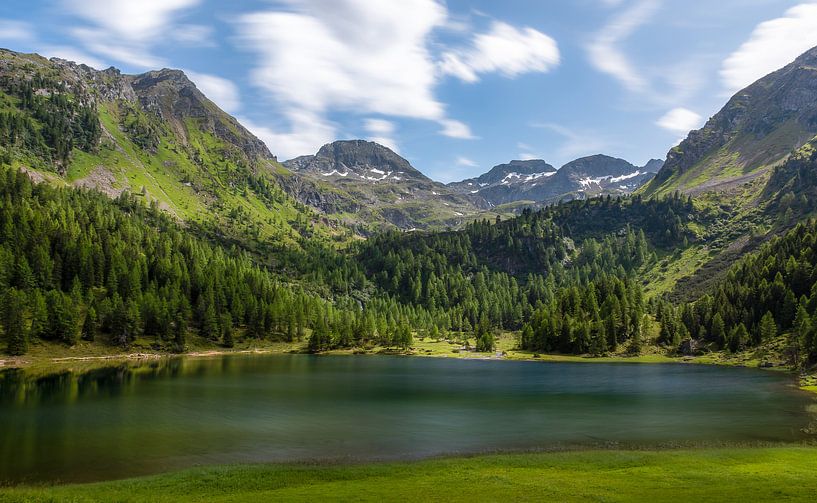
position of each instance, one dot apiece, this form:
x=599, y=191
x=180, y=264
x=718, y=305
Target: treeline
x=75, y=264
x=502, y=274
x=595, y=319
x=47, y=121
x=770, y=292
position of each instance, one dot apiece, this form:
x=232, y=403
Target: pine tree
x=738, y=337
x=484, y=336
x=227, y=330
x=14, y=325
x=768, y=327
x=89, y=325
x=718, y=331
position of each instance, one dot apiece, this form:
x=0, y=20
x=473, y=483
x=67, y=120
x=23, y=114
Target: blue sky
x=456, y=87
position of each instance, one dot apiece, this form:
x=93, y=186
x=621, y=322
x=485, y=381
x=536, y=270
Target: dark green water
x=125, y=421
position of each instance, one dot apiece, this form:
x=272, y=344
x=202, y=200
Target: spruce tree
x=14, y=324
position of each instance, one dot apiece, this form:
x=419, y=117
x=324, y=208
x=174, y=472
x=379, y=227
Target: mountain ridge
x=757, y=128
x=535, y=181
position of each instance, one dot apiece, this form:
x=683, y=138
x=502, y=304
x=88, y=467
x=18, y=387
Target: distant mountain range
x=382, y=187
x=538, y=182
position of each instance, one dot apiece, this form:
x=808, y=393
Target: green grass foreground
x=748, y=474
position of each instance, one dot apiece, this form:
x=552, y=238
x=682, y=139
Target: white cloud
x=16, y=31
x=772, y=45
x=125, y=30
x=194, y=34
x=71, y=54
x=604, y=51
x=382, y=132
x=101, y=43
x=526, y=152
x=680, y=120
x=465, y=162
x=379, y=126
x=350, y=55
x=221, y=91
x=309, y=133
x=128, y=19
x=456, y=129
x=504, y=49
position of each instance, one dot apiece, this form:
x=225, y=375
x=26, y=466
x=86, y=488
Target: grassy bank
x=750, y=474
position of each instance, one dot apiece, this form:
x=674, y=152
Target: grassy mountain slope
x=155, y=135
x=754, y=131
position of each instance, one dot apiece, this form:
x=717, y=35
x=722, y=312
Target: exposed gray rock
x=759, y=125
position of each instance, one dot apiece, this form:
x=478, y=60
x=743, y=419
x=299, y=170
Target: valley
x=150, y=245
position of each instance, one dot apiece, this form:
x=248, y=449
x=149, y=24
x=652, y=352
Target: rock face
x=758, y=127
x=174, y=98
x=167, y=94
x=539, y=182
x=379, y=186
x=156, y=134
x=357, y=160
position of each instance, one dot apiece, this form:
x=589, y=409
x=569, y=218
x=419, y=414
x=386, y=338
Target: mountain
x=512, y=173
x=155, y=135
x=539, y=182
x=382, y=187
x=754, y=131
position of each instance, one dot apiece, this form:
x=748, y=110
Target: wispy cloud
x=679, y=120
x=378, y=58
x=221, y=91
x=575, y=142
x=772, y=45
x=526, y=152
x=604, y=50
x=456, y=129
x=16, y=31
x=503, y=49
x=127, y=31
x=72, y=54
x=350, y=55
x=382, y=132
x=465, y=162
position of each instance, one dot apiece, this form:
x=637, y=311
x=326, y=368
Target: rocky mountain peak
x=357, y=159
x=758, y=126
x=597, y=165
x=172, y=96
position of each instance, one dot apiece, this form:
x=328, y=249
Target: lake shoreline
x=42, y=363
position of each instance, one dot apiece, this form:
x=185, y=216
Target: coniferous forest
x=572, y=277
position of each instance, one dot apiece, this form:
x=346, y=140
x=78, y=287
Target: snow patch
x=525, y=178
x=335, y=172
x=624, y=177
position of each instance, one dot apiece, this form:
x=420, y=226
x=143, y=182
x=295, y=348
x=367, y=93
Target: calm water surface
x=124, y=421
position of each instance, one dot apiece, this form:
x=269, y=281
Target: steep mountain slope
x=538, y=182
x=756, y=129
x=153, y=134
x=381, y=187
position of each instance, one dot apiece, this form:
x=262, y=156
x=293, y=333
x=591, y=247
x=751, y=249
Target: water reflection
x=136, y=418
